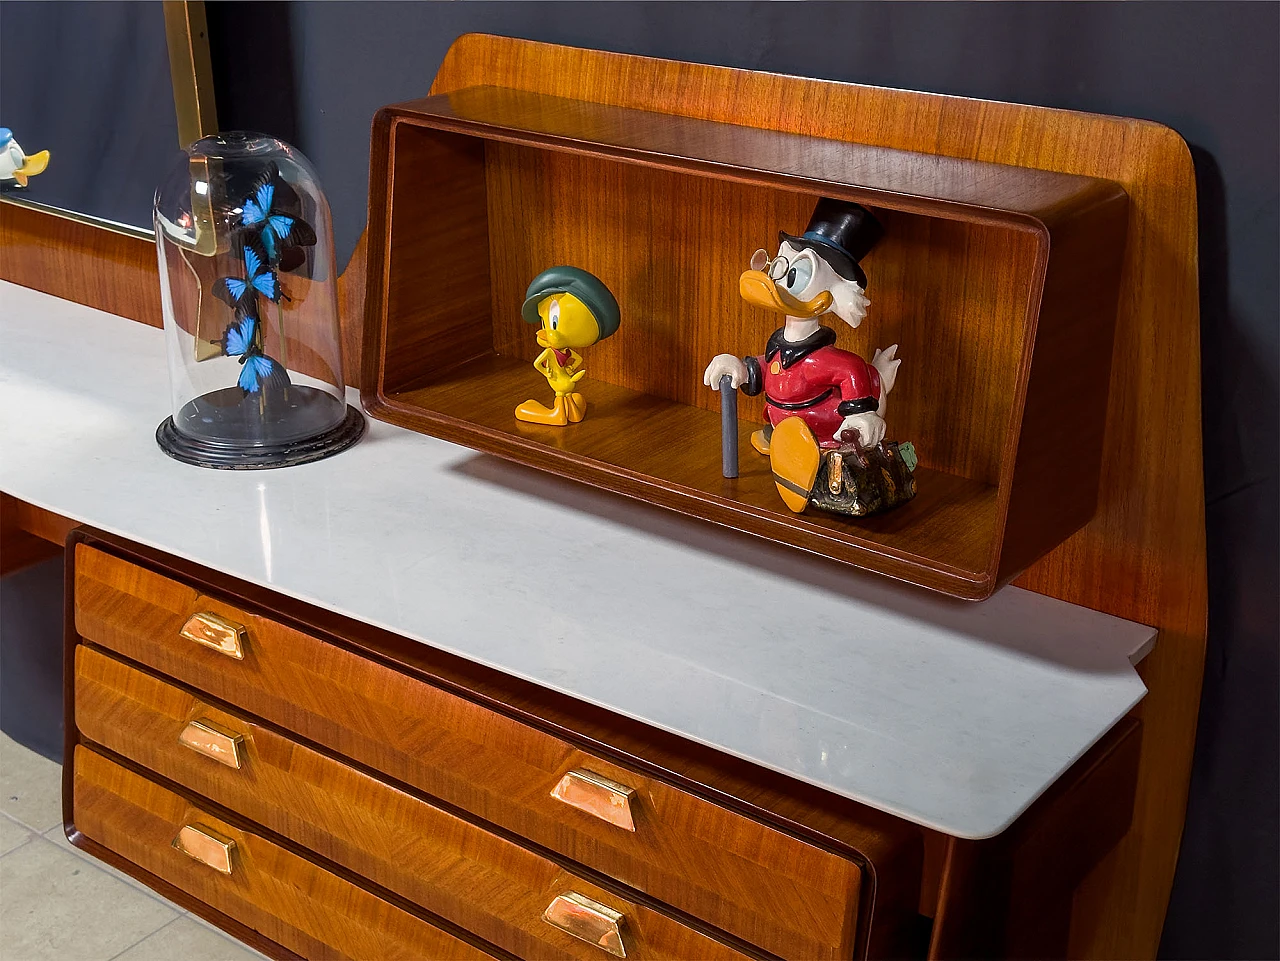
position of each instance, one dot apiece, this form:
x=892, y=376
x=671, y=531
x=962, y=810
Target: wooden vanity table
x=349, y=709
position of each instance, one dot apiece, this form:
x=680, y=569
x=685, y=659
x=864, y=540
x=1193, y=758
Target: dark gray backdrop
x=1209, y=70
x=89, y=82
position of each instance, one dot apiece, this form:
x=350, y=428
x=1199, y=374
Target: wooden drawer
x=487, y=884
x=285, y=897
x=742, y=876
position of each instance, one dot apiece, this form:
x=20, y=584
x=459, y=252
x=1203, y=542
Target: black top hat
x=841, y=233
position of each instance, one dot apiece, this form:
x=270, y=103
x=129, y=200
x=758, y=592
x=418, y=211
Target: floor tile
x=30, y=786
x=12, y=834
x=189, y=941
x=56, y=906
x=59, y=837
x=196, y=919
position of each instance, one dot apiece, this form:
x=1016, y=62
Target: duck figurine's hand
x=725, y=365
x=869, y=426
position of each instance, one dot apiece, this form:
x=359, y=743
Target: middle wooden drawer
x=491, y=886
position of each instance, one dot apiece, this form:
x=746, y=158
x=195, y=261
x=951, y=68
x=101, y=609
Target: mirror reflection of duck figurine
x=575, y=310
x=820, y=400
x=15, y=165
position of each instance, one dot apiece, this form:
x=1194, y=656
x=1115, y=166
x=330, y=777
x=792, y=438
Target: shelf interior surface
x=666, y=446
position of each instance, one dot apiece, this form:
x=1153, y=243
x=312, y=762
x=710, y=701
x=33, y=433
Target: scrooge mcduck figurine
x=16, y=166
x=819, y=399
x=575, y=310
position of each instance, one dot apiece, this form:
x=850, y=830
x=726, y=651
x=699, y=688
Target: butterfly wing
x=255, y=370
x=230, y=290
x=265, y=284
x=252, y=261
x=252, y=214
x=291, y=231
x=264, y=196
x=258, y=207
x=239, y=337
x=261, y=371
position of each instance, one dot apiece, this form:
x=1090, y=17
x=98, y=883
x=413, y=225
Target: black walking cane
x=728, y=427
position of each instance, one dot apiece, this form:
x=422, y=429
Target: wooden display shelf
x=998, y=282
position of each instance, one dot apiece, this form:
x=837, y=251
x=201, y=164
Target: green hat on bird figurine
x=587, y=287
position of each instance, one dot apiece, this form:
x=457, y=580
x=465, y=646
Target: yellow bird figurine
x=575, y=310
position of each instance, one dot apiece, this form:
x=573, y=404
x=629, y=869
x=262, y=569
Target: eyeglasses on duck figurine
x=824, y=406
x=17, y=167
x=575, y=310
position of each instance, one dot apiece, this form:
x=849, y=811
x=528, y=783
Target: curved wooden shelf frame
x=1025, y=263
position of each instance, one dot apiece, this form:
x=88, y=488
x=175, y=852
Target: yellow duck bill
x=32, y=165
x=758, y=289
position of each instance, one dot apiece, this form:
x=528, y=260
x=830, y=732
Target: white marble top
x=952, y=715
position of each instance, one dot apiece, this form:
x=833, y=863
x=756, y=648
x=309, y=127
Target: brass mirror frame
x=187, y=34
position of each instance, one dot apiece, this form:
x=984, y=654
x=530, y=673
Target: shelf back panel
x=954, y=296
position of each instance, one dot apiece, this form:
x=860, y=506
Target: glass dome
x=250, y=297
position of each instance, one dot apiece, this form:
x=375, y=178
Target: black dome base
x=223, y=456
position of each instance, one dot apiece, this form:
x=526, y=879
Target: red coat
x=814, y=380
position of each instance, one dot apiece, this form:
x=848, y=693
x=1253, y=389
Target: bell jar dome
x=250, y=298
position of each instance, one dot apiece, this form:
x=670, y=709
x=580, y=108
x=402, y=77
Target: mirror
x=90, y=82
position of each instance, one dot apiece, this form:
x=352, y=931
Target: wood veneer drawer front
x=487, y=884
x=744, y=877
x=285, y=897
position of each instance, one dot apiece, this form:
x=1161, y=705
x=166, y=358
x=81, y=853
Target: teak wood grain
x=115, y=269
x=28, y=534
x=979, y=261
x=748, y=879
x=71, y=257
x=290, y=900
x=1142, y=555
x=489, y=885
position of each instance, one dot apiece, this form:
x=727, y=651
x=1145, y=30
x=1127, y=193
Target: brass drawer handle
x=207, y=846
x=598, y=796
x=589, y=920
x=213, y=740
x=222, y=635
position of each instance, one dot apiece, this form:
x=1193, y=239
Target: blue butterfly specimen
x=237, y=292
x=258, y=371
x=277, y=230
x=238, y=340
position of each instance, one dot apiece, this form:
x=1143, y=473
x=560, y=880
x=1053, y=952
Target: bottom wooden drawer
x=285, y=897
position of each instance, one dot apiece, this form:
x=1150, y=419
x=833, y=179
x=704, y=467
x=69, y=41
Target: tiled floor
x=57, y=903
